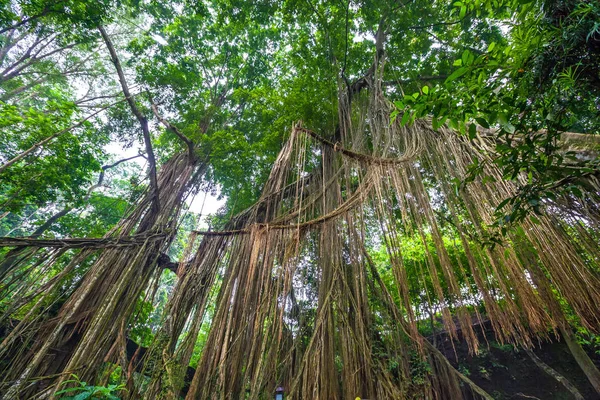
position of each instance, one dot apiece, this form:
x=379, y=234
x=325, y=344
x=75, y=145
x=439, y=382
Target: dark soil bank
x=509, y=373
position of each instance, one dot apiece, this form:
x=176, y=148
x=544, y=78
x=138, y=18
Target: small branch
x=88, y=99
x=437, y=24
x=173, y=128
x=108, y=166
x=526, y=396
x=103, y=170
x=473, y=49
x=15, y=72
x=140, y=117
x=45, y=11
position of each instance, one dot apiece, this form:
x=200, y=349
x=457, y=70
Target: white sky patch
x=159, y=39
x=205, y=203
x=118, y=152
x=362, y=36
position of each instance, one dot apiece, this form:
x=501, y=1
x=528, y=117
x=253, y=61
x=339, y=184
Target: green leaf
x=481, y=78
x=466, y=57
x=425, y=89
x=504, y=203
x=83, y=396
x=405, y=118
x=457, y=74
x=438, y=122
x=506, y=125
x=472, y=131
x=482, y=122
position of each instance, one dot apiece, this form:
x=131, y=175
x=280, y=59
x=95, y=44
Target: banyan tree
x=290, y=291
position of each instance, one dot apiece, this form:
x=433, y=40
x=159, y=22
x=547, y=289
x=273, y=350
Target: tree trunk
x=553, y=373
x=583, y=360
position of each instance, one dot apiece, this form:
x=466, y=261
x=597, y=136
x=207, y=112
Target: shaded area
x=508, y=373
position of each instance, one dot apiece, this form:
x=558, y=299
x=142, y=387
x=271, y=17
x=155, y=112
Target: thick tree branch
x=13, y=255
x=75, y=243
x=352, y=154
x=140, y=117
x=363, y=82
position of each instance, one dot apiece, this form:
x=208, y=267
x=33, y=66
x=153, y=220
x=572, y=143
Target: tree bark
x=553, y=373
x=583, y=360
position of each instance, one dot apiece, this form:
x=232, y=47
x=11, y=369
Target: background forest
x=409, y=199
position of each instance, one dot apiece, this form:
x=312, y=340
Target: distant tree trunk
x=585, y=363
x=583, y=360
x=553, y=373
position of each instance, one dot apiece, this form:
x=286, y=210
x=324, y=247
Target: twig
x=526, y=396
x=418, y=78
x=103, y=170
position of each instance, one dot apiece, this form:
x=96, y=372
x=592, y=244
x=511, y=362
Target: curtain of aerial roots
x=301, y=304
x=72, y=307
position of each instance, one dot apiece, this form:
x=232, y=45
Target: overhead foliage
x=389, y=170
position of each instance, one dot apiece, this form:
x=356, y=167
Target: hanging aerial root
x=298, y=297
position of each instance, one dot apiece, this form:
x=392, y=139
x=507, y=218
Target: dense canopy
x=394, y=176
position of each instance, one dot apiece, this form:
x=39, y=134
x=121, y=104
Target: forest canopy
x=397, y=179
